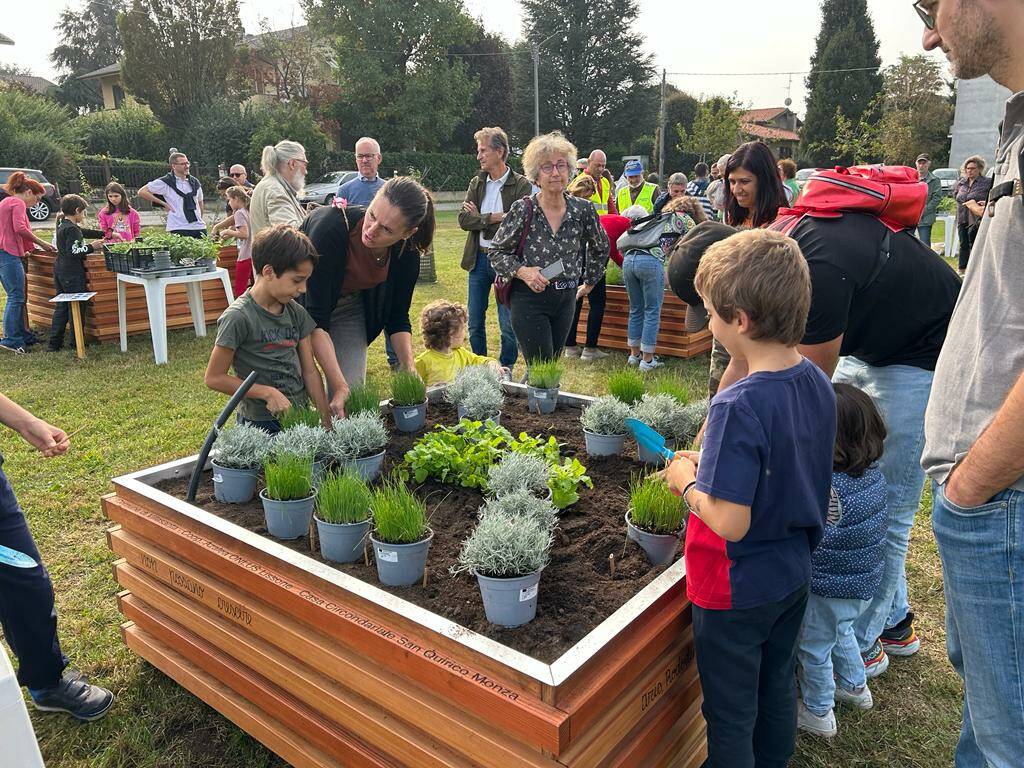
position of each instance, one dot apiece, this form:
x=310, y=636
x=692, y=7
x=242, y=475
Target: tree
x=846, y=41
x=917, y=111
x=288, y=121
x=35, y=132
x=595, y=80
x=487, y=58
x=854, y=142
x=398, y=83
x=131, y=131
x=194, y=42
x=89, y=40
x=680, y=110
x=716, y=129
x=221, y=132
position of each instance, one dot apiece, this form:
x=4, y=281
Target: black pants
x=27, y=615
x=967, y=234
x=62, y=312
x=595, y=318
x=198, y=234
x=541, y=320
x=747, y=665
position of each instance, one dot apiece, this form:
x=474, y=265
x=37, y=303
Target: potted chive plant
x=544, y=380
x=604, y=426
x=359, y=442
x=507, y=553
x=238, y=454
x=627, y=385
x=293, y=416
x=476, y=394
x=656, y=519
x=342, y=516
x=408, y=401
x=400, y=536
x=519, y=471
x=664, y=414
x=289, y=495
x=364, y=398
x=302, y=439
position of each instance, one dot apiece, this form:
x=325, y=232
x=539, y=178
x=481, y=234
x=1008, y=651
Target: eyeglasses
x=365, y=157
x=233, y=175
x=561, y=166
x=926, y=17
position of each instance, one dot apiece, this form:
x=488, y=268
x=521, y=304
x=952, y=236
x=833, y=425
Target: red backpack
x=891, y=193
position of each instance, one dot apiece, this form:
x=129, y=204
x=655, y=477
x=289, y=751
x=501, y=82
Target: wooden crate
x=100, y=315
x=673, y=340
x=326, y=670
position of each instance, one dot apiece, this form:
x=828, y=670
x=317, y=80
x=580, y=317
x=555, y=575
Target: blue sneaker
x=74, y=695
x=12, y=346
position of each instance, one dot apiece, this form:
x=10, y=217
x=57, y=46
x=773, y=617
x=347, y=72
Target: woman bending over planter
x=551, y=246
x=364, y=280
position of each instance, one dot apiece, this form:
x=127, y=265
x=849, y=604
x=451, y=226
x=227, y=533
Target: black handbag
x=503, y=287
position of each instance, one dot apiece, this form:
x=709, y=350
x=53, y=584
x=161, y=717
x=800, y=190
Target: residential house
x=778, y=127
x=39, y=85
x=109, y=80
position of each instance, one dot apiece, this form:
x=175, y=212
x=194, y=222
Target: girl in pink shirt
x=118, y=220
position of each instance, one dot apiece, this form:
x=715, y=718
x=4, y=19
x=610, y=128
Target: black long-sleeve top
x=72, y=249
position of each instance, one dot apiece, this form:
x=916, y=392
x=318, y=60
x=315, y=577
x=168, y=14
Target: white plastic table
x=156, y=304
x=17, y=738
x=952, y=240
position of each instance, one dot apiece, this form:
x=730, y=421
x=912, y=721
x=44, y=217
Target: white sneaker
x=571, y=352
x=646, y=366
x=824, y=726
x=591, y=354
x=860, y=698
x=634, y=360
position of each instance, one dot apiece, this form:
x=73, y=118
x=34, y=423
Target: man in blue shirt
x=360, y=190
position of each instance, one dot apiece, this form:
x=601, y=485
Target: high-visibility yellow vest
x=603, y=194
x=646, y=197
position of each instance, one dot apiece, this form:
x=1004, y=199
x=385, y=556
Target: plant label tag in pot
x=553, y=270
x=218, y=478
x=387, y=555
x=540, y=395
x=528, y=593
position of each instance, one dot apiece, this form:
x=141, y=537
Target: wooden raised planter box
x=673, y=340
x=328, y=670
x=100, y=316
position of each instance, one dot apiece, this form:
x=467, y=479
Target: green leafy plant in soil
x=364, y=398
x=565, y=481
x=407, y=388
x=546, y=374
x=606, y=416
x=653, y=507
x=399, y=517
x=343, y=497
x=181, y=249
x=518, y=471
x=242, y=446
x=289, y=477
x=293, y=416
x=505, y=546
x=627, y=384
x=613, y=274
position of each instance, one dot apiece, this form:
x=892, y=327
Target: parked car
x=322, y=190
x=50, y=202
x=948, y=177
x=803, y=175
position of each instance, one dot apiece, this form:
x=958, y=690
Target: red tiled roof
x=761, y=115
x=766, y=132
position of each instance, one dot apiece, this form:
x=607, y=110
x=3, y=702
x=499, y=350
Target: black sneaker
x=901, y=640
x=74, y=695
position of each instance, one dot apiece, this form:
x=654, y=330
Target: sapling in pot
x=289, y=495
x=408, y=401
x=238, y=454
x=506, y=553
x=401, y=537
x=342, y=516
x=544, y=379
x=664, y=415
x=525, y=504
x=359, y=442
x=604, y=425
x=518, y=471
x=476, y=393
x=364, y=398
x=656, y=518
x=627, y=385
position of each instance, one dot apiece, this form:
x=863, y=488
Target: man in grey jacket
x=931, y=205
x=491, y=193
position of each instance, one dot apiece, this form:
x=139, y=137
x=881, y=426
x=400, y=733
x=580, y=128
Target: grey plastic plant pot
x=496, y=418
x=409, y=418
x=368, y=467
x=542, y=400
x=603, y=445
x=288, y=519
x=319, y=470
x=234, y=486
x=650, y=457
x=510, y=602
x=401, y=565
x=660, y=548
x=341, y=542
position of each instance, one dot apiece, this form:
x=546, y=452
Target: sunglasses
x=233, y=175
x=926, y=17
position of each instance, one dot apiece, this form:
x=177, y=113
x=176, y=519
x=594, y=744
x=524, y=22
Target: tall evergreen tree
x=595, y=79
x=89, y=40
x=487, y=59
x=846, y=41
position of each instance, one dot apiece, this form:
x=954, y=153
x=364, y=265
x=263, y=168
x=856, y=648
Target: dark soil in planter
x=577, y=591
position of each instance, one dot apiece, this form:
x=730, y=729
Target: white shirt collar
x=501, y=179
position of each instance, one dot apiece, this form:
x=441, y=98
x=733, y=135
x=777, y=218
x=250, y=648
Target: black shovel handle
x=193, y=485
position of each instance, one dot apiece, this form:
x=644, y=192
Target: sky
x=685, y=36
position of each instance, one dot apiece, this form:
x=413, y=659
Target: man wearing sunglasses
x=974, y=428
x=240, y=176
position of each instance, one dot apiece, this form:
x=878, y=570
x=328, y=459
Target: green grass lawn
x=136, y=415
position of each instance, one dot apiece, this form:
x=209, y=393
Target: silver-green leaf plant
x=356, y=437
x=242, y=446
x=606, y=416
x=505, y=546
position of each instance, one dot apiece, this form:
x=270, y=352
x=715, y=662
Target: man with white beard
x=275, y=200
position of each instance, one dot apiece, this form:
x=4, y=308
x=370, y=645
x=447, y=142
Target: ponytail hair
x=19, y=182
x=280, y=153
x=416, y=205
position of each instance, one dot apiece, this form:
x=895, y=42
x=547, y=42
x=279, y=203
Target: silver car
x=948, y=177
x=322, y=190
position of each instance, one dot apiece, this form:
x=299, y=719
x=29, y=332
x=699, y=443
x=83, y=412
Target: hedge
x=132, y=174
x=441, y=172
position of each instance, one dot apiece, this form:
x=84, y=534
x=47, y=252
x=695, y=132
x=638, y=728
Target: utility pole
x=536, y=90
x=661, y=132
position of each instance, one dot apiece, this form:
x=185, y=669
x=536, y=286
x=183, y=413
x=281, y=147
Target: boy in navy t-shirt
x=758, y=493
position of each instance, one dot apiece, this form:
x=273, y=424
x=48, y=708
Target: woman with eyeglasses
x=971, y=198
x=551, y=246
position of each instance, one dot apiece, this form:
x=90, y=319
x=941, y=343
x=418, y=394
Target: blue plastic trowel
x=649, y=439
x=15, y=558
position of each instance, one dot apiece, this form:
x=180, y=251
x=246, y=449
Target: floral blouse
x=965, y=190
x=580, y=242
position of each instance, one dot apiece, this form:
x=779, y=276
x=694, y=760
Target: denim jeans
x=924, y=234
x=982, y=553
x=644, y=276
x=273, y=426
x=12, y=277
x=481, y=278
x=828, y=647
x=901, y=394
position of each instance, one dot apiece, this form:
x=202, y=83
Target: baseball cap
x=634, y=168
x=923, y=156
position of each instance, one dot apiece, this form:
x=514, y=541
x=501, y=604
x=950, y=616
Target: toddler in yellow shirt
x=443, y=327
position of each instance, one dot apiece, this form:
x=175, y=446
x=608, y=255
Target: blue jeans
x=644, y=276
x=827, y=647
x=900, y=393
x=481, y=279
x=924, y=234
x=12, y=277
x=982, y=552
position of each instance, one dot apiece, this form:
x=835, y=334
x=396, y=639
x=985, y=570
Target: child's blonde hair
x=439, y=321
x=764, y=274
x=238, y=193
